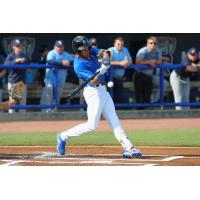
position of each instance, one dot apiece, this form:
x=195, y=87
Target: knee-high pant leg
x=110, y=115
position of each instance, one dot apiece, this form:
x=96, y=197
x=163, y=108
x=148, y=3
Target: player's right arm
x=84, y=73
x=140, y=59
x=9, y=59
x=51, y=59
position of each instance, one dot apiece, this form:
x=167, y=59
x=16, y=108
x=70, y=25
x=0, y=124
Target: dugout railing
x=56, y=105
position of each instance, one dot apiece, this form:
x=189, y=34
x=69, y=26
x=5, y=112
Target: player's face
x=17, y=49
x=85, y=53
x=151, y=44
x=119, y=45
x=193, y=56
x=59, y=49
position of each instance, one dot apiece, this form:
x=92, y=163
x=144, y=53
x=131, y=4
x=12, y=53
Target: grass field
x=186, y=138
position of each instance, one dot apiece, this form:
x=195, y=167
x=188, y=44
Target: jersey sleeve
x=128, y=54
x=51, y=59
x=9, y=60
x=95, y=51
x=82, y=72
x=140, y=55
x=68, y=57
x=181, y=70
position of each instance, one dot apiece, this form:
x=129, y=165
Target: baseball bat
x=80, y=87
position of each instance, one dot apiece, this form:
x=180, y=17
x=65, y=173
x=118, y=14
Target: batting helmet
x=80, y=43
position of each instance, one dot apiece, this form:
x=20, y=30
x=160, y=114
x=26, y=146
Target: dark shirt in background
x=16, y=75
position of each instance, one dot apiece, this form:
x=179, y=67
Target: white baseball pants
x=181, y=90
x=99, y=102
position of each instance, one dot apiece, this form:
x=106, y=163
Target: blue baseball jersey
x=144, y=54
x=54, y=58
x=87, y=67
x=119, y=56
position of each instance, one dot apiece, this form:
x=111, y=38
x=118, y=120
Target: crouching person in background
x=180, y=78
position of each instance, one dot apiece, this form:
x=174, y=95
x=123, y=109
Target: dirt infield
x=145, y=124
x=98, y=156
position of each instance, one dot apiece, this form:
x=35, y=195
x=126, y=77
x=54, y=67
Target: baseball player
x=96, y=96
x=58, y=58
x=16, y=75
x=180, y=78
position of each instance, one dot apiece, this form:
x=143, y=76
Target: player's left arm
x=67, y=60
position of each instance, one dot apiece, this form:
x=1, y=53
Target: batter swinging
x=96, y=96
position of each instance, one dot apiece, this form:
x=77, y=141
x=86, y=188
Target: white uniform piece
x=181, y=90
x=99, y=102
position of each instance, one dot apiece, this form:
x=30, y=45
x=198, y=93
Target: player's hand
x=124, y=63
x=190, y=68
x=152, y=63
x=20, y=60
x=65, y=63
x=102, y=70
x=106, y=62
x=194, y=65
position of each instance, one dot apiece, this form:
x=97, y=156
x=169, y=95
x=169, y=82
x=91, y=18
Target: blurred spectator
x=58, y=58
x=167, y=47
x=2, y=74
x=143, y=78
x=17, y=75
x=40, y=75
x=155, y=96
x=43, y=51
x=180, y=78
x=93, y=42
x=120, y=58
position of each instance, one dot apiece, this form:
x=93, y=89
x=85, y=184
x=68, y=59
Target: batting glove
x=102, y=70
x=106, y=62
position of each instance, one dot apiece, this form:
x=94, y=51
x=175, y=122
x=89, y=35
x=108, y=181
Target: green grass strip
x=188, y=138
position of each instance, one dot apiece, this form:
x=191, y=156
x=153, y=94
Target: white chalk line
x=9, y=163
x=171, y=158
x=150, y=164
x=71, y=162
x=78, y=160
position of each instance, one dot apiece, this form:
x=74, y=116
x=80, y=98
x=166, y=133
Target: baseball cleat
x=133, y=153
x=60, y=145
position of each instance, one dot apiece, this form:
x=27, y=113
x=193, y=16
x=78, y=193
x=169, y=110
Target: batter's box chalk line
x=71, y=156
